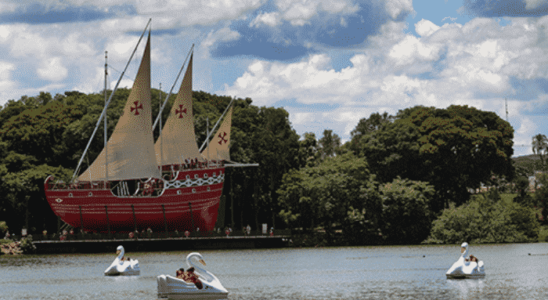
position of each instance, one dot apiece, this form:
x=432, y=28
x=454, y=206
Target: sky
x=328, y=63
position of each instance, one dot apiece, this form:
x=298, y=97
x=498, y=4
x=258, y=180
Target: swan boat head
x=464, y=249
x=205, y=275
x=122, y=267
x=120, y=252
x=462, y=269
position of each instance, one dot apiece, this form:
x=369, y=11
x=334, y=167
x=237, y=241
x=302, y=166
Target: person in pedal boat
x=191, y=277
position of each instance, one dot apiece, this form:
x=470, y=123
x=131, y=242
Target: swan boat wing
x=127, y=268
x=466, y=270
x=170, y=287
x=123, y=267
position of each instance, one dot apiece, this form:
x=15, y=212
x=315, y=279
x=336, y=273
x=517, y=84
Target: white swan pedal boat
x=170, y=287
x=463, y=269
x=121, y=266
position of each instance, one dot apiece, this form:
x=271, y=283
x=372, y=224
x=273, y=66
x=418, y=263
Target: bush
x=3, y=228
x=485, y=220
x=27, y=246
x=543, y=234
x=10, y=247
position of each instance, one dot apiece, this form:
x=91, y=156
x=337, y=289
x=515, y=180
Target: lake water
x=414, y=272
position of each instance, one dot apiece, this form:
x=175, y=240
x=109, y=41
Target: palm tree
x=540, y=147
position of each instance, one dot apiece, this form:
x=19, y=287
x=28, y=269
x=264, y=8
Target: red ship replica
x=136, y=183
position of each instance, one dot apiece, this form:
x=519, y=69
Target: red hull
x=187, y=203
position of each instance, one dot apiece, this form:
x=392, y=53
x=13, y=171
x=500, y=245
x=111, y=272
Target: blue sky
x=329, y=63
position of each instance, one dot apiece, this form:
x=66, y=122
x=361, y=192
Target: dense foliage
x=389, y=184
x=454, y=149
x=406, y=214
x=336, y=194
x=486, y=219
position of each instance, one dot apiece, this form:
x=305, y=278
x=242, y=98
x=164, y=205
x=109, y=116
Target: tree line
x=401, y=179
x=391, y=183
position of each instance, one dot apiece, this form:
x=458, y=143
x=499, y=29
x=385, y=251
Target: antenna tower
x=506, y=103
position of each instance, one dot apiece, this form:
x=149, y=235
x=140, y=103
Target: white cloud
x=269, y=19
x=124, y=83
x=7, y=6
x=301, y=118
x=4, y=33
x=527, y=128
x=224, y=34
x=203, y=12
x=532, y=4
x=425, y=28
x=299, y=12
x=6, y=83
x=122, y=47
x=469, y=65
x=396, y=7
x=52, y=70
x=310, y=81
x=449, y=18
x=411, y=49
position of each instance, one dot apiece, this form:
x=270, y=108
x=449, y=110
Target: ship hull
x=190, y=202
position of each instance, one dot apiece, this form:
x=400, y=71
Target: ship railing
x=81, y=185
x=193, y=166
x=157, y=235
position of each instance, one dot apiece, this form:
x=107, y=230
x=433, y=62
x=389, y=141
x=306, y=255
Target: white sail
x=178, y=140
x=131, y=145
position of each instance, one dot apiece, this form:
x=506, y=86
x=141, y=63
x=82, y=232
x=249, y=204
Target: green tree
x=367, y=126
x=485, y=220
x=39, y=132
x=522, y=187
x=394, y=151
x=541, y=196
x=337, y=193
x=330, y=144
x=406, y=216
x=309, y=151
x=540, y=147
x=464, y=147
x=454, y=149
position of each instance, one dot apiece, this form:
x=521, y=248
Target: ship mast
x=207, y=140
x=160, y=117
x=105, y=123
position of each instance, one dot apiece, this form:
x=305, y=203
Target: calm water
x=414, y=272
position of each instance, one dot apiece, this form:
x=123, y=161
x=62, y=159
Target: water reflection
x=467, y=288
x=416, y=272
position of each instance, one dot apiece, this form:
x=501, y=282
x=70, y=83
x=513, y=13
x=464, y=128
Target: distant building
x=534, y=182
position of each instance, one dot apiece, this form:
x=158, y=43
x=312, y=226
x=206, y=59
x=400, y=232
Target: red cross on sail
x=181, y=111
x=178, y=140
x=222, y=138
x=137, y=107
x=218, y=149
